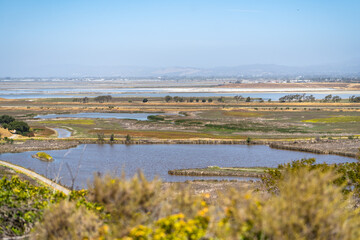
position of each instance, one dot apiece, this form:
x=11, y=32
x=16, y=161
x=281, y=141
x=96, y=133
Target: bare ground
x=36, y=145
x=343, y=147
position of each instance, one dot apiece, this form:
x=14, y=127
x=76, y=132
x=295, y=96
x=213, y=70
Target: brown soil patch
x=342, y=147
x=36, y=145
x=43, y=132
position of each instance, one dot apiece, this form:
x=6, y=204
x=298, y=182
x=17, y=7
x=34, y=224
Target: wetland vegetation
x=191, y=209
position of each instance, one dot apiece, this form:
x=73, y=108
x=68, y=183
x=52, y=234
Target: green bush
x=6, y=119
x=19, y=126
x=155, y=118
x=22, y=204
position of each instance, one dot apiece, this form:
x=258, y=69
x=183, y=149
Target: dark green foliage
x=221, y=99
x=81, y=100
x=168, y=98
x=155, y=118
x=105, y=98
x=6, y=119
x=354, y=99
x=112, y=138
x=22, y=204
x=248, y=99
x=145, y=100
x=19, y=126
x=128, y=139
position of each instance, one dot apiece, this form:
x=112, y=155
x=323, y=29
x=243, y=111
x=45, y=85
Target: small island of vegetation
x=43, y=156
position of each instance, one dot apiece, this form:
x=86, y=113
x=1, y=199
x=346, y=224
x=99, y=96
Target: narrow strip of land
x=38, y=177
x=254, y=172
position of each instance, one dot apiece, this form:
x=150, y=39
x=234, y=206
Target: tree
x=239, y=98
x=145, y=100
x=204, y=100
x=6, y=119
x=127, y=139
x=354, y=99
x=336, y=99
x=104, y=98
x=19, y=126
x=168, y=98
x=248, y=99
x=112, y=138
x=210, y=100
x=327, y=98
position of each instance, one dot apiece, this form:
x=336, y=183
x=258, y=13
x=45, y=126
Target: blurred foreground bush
x=301, y=201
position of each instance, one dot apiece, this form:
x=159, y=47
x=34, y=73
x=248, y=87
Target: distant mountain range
x=252, y=70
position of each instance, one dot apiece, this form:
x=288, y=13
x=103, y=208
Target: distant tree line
x=331, y=98
x=104, y=98
x=81, y=100
x=191, y=99
x=354, y=99
x=100, y=99
x=297, y=98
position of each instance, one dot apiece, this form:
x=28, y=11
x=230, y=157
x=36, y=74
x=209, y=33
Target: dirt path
x=38, y=177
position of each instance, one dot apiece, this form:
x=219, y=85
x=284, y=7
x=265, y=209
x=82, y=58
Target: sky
x=37, y=34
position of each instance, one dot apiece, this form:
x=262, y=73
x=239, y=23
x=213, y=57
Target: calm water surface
x=62, y=132
x=137, y=116
x=156, y=160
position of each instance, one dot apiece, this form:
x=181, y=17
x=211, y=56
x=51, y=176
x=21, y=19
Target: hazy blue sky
x=177, y=33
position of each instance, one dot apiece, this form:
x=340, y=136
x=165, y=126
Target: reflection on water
x=156, y=160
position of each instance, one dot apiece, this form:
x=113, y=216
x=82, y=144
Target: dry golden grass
x=5, y=133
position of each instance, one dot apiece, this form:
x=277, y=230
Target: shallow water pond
x=136, y=116
x=156, y=160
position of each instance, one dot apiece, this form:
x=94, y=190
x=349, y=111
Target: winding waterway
x=62, y=132
x=156, y=160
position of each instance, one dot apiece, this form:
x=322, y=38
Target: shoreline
x=340, y=147
x=250, y=172
x=44, y=180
